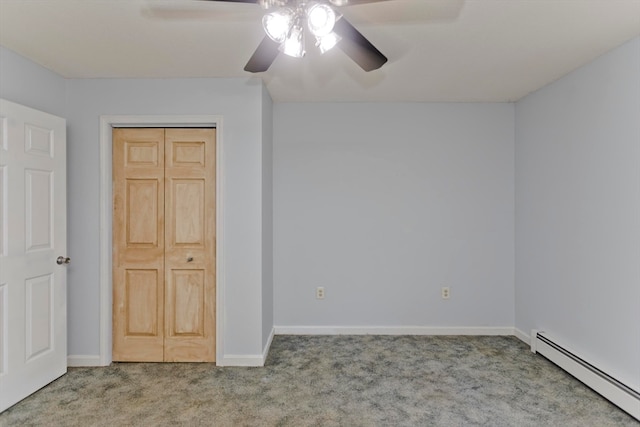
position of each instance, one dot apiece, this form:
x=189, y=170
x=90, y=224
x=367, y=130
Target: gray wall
x=240, y=103
x=267, y=216
x=29, y=84
x=578, y=212
x=383, y=204
x=244, y=108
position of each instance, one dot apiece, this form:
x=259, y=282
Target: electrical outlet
x=446, y=294
x=319, y=292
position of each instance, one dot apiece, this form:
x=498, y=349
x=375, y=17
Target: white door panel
x=39, y=214
x=33, y=318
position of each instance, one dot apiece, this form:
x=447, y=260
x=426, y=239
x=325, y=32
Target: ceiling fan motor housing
x=285, y=27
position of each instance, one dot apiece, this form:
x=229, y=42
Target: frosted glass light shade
x=277, y=24
x=294, y=44
x=320, y=19
x=327, y=42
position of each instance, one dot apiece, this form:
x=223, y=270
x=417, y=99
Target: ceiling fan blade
x=357, y=47
x=263, y=57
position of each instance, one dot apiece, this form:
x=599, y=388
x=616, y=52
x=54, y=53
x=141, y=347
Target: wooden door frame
x=107, y=123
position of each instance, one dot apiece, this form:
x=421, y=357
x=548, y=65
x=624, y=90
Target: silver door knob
x=63, y=260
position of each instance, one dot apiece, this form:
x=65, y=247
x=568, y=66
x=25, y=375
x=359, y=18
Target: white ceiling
x=438, y=50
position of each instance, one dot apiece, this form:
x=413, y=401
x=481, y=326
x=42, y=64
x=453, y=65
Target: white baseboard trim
x=249, y=360
x=265, y=350
x=522, y=336
x=259, y=360
x=76, y=360
x=392, y=330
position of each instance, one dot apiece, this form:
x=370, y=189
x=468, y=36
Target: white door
x=33, y=290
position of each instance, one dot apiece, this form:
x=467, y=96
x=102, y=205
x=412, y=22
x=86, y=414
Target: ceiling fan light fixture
x=328, y=42
x=278, y=24
x=294, y=44
x=321, y=19
x=268, y=4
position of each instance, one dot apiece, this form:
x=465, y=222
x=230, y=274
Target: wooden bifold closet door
x=164, y=245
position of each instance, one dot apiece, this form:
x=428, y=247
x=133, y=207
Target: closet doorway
x=164, y=244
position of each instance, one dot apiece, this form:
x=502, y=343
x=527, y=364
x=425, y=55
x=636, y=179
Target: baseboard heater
x=613, y=390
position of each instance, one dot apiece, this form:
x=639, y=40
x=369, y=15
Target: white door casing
x=107, y=123
x=33, y=290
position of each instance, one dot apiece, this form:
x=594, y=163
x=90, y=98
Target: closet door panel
x=164, y=245
x=190, y=245
x=138, y=245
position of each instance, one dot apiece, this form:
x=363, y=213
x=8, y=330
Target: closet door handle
x=190, y=259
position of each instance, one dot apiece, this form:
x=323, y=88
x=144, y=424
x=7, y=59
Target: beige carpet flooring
x=331, y=381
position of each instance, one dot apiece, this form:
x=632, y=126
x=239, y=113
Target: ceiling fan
x=287, y=23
